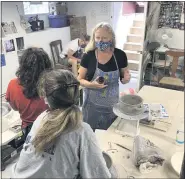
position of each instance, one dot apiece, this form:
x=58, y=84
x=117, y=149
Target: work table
x=173, y=101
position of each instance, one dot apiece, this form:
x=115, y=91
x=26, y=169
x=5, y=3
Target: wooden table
x=173, y=101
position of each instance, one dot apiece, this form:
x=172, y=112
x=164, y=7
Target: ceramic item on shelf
x=176, y=161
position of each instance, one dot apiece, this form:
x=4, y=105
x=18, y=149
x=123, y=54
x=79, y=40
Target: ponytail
x=57, y=122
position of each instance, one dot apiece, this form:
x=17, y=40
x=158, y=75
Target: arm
x=81, y=77
x=7, y=97
x=125, y=74
x=70, y=55
x=123, y=66
x=92, y=163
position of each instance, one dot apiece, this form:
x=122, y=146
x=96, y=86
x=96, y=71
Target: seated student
x=72, y=53
x=21, y=92
x=60, y=144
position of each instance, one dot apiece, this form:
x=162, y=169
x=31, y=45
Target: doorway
x=129, y=26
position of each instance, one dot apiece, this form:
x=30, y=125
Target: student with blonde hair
x=60, y=144
x=101, y=68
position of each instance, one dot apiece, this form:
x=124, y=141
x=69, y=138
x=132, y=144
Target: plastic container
x=180, y=132
x=57, y=21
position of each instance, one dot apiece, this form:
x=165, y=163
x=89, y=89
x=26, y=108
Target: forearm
x=124, y=72
x=86, y=83
x=74, y=58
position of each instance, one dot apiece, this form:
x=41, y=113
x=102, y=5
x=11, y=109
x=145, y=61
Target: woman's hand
x=96, y=85
x=126, y=78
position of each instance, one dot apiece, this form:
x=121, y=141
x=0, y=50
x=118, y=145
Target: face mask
x=103, y=45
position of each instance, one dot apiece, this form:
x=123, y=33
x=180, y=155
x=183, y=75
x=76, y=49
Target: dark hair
x=86, y=37
x=32, y=63
x=60, y=87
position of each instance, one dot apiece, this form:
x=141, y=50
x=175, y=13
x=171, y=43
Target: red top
x=29, y=109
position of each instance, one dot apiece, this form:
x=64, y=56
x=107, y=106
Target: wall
x=128, y=8
x=95, y=12
x=121, y=24
x=177, y=40
x=104, y=11
x=12, y=7
x=37, y=39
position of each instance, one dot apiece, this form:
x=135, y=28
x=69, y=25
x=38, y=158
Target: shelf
x=46, y=29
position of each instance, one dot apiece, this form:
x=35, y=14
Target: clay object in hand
x=101, y=80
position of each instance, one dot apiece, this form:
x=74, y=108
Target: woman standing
x=103, y=60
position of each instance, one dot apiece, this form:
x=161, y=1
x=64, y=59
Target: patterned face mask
x=103, y=45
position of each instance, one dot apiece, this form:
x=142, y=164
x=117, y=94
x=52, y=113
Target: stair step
x=133, y=66
x=133, y=61
x=134, y=74
x=138, y=23
x=132, y=46
x=133, y=43
x=133, y=56
x=136, y=30
x=131, y=51
x=134, y=38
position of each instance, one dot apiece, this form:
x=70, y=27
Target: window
x=35, y=7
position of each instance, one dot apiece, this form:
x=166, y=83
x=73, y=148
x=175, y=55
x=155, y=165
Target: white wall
x=11, y=6
x=95, y=12
x=36, y=39
x=121, y=24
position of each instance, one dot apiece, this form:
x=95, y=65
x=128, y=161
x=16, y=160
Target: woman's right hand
x=96, y=85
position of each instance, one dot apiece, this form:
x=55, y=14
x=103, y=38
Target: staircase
x=133, y=46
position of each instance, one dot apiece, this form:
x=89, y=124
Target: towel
x=147, y=156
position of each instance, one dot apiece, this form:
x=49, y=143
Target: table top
x=9, y=135
x=173, y=101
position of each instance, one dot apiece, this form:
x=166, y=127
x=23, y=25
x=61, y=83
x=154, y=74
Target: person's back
x=74, y=154
x=59, y=144
x=22, y=93
x=29, y=109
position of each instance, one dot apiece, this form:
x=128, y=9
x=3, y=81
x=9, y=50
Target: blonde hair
x=91, y=45
x=60, y=87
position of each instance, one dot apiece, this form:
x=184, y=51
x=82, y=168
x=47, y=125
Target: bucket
x=57, y=21
x=109, y=165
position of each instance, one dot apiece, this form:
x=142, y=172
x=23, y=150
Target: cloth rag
x=147, y=156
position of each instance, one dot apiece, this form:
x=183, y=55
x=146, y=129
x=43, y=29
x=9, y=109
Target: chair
x=172, y=82
x=56, y=49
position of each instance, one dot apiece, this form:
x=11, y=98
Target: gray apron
x=98, y=103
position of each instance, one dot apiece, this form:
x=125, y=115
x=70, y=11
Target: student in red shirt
x=22, y=92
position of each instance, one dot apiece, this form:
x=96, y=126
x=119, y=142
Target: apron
x=98, y=103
